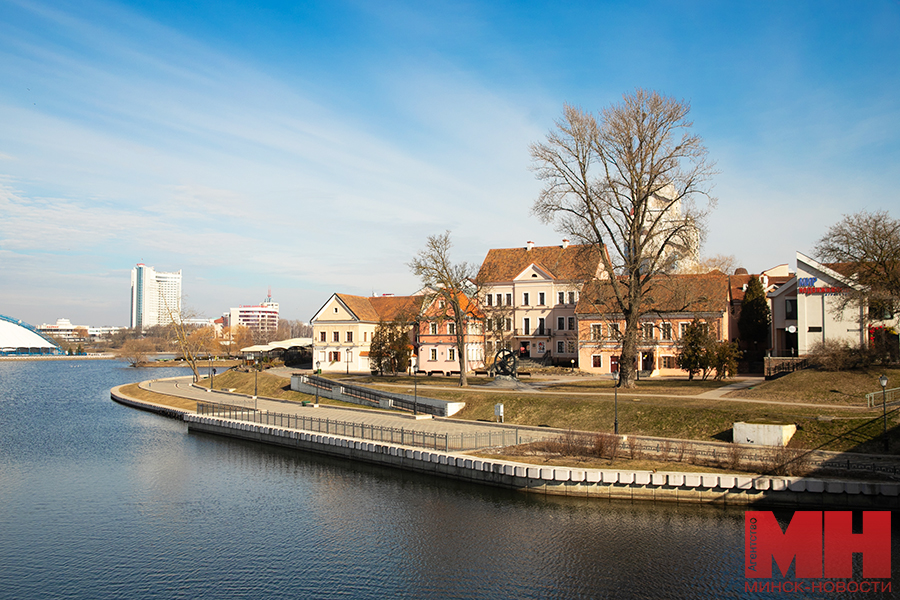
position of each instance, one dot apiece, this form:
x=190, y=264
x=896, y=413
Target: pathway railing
x=447, y=442
x=874, y=399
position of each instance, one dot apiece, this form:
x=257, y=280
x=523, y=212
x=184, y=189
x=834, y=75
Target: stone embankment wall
x=740, y=490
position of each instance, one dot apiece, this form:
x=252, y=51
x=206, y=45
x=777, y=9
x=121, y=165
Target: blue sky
x=311, y=147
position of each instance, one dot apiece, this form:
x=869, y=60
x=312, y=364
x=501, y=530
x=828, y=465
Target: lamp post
x=616, y=380
x=255, y=385
x=883, y=381
x=317, y=384
x=416, y=388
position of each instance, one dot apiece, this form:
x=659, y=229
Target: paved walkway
x=181, y=387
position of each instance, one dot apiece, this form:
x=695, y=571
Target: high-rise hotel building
x=155, y=296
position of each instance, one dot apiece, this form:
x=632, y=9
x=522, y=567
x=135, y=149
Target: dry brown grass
x=133, y=391
x=823, y=387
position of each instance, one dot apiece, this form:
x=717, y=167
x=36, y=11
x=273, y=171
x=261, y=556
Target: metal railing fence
x=448, y=442
x=874, y=399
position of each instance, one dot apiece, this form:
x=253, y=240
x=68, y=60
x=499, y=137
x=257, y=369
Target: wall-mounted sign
x=807, y=286
x=808, y=290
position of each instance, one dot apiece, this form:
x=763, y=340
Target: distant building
x=63, y=329
x=261, y=319
x=21, y=339
x=155, y=296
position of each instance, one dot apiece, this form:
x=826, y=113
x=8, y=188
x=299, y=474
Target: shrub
x=833, y=355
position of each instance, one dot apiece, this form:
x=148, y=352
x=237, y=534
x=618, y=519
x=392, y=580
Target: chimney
x=529, y=245
x=565, y=244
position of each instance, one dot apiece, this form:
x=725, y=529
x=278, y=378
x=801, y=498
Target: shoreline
x=659, y=486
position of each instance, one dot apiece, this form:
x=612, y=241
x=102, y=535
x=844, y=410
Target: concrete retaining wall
x=739, y=490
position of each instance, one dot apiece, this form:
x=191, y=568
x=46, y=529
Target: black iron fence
x=448, y=442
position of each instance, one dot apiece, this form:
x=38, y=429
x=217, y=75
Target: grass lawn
x=133, y=391
x=824, y=387
x=669, y=413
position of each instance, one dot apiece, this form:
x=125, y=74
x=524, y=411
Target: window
x=499, y=299
x=682, y=329
x=560, y=297
x=433, y=354
x=541, y=326
x=442, y=303
x=349, y=336
x=334, y=356
x=508, y=299
x=647, y=331
x=509, y=324
x=335, y=310
x=668, y=362
x=613, y=330
x=571, y=297
x=560, y=323
x=560, y=347
x=432, y=328
x=489, y=324
x=451, y=354
x=525, y=298
x=570, y=346
x=490, y=299
x=540, y=298
x=790, y=309
x=336, y=336
x=571, y=324
x=666, y=331
x=526, y=325
x=365, y=336
x=322, y=335
x=596, y=331
x=451, y=328
x=596, y=361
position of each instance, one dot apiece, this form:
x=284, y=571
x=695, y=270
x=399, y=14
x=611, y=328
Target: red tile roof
x=383, y=308
x=574, y=263
x=706, y=293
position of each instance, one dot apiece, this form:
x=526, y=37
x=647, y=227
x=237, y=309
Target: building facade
x=155, y=296
x=528, y=296
x=436, y=346
x=344, y=326
x=261, y=319
x=673, y=302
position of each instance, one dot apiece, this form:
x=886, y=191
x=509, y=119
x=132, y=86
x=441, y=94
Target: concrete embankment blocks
x=597, y=483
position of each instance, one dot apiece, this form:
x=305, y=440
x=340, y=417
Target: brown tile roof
x=386, y=308
x=575, y=263
x=706, y=293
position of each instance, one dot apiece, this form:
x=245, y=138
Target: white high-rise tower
x=155, y=296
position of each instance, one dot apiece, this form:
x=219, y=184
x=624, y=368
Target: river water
x=102, y=501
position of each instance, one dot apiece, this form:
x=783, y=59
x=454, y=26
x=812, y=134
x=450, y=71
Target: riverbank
x=657, y=485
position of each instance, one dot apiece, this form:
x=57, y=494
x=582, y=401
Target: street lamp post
x=255, y=386
x=416, y=388
x=317, y=384
x=883, y=381
x=616, y=379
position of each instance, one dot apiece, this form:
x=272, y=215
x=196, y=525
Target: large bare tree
x=868, y=245
x=451, y=286
x=634, y=182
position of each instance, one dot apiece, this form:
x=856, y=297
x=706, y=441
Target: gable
x=534, y=272
x=335, y=310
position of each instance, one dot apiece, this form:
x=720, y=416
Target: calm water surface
x=102, y=501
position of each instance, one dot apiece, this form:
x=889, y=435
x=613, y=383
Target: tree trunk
x=627, y=360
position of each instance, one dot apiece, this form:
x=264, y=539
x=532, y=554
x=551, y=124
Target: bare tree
x=451, y=286
x=135, y=351
x=629, y=185
x=726, y=263
x=869, y=246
